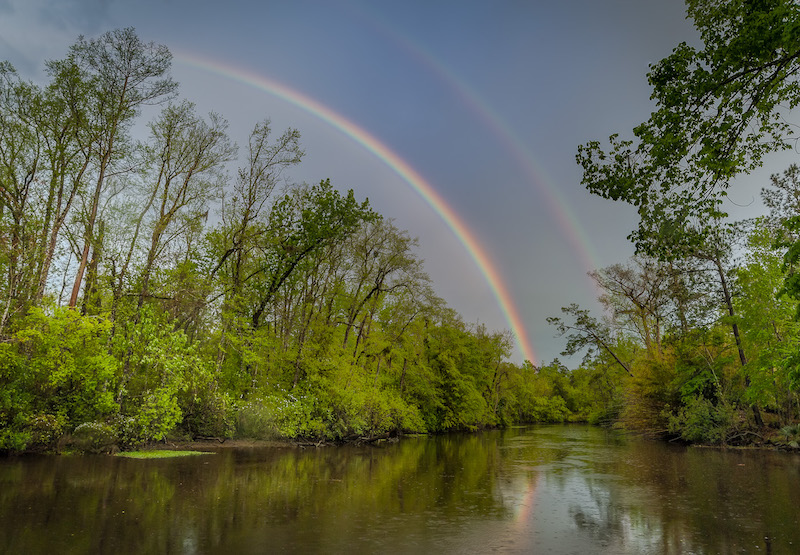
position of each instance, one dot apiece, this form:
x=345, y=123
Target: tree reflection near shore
x=559, y=488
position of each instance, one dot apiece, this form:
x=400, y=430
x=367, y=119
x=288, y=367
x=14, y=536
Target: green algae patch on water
x=160, y=454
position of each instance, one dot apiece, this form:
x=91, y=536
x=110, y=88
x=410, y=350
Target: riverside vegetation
x=147, y=293
x=179, y=286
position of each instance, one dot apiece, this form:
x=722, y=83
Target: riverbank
x=768, y=439
x=216, y=444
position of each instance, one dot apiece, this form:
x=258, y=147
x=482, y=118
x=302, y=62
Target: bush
x=791, y=435
x=14, y=440
x=371, y=412
x=209, y=415
x=604, y=416
x=94, y=437
x=700, y=421
x=46, y=429
x=256, y=419
x=553, y=409
x=156, y=417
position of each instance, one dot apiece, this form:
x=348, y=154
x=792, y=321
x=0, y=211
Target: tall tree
x=719, y=111
x=243, y=213
x=188, y=164
x=21, y=157
x=61, y=121
x=637, y=295
x=124, y=74
x=302, y=223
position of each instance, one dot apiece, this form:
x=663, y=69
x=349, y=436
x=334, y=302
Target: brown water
x=541, y=489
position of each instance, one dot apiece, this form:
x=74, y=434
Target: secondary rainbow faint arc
x=566, y=219
x=399, y=166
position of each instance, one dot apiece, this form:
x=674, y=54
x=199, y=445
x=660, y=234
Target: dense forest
x=159, y=281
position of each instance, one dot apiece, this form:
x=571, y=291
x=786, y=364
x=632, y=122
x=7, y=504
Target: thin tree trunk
x=735, y=328
x=403, y=375
x=88, y=239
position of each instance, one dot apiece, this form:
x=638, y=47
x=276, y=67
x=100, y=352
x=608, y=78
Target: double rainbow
x=398, y=165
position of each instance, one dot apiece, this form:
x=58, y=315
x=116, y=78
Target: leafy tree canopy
x=719, y=110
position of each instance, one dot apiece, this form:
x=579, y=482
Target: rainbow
x=398, y=165
x=567, y=221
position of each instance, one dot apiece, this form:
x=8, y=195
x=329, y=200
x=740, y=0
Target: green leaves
x=717, y=117
x=206, y=293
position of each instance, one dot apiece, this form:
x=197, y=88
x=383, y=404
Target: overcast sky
x=486, y=101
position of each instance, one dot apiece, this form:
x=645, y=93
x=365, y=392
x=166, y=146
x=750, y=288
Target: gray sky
x=486, y=101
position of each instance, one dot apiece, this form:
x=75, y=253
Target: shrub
x=13, y=440
x=94, y=437
x=791, y=435
x=44, y=430
x=700, y=421
x=157, y=415
x=256, y=419
x=553, y=409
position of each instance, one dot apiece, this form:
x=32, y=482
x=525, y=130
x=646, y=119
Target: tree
x=188, y=162
x=770, y=331
x=585, y=332
x=783, y=198
x=123, y=74
x=719, y=112
x=637, y=295
x=300, y=224
x=21, y=155
x=242, y=213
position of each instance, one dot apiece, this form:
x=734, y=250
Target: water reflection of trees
x=656, y=498
x=633, y=496
x=623, y=496
x=249, y=500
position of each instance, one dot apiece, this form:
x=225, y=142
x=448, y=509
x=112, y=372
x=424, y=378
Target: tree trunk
x=735, y=328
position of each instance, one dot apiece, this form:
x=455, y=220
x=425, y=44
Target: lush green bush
x=700, y=421
x=553, y=409
x=55, y=374
x=94, y=437
x=257, y=418
x=163, y=376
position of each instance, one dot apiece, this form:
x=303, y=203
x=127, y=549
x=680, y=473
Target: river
x=538, y=489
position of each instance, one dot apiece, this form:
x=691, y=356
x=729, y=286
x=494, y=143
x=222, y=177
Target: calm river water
x=539, y=489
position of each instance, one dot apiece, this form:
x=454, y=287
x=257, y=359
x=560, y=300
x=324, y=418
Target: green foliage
x=791, y=435
x=257, y=418
x=304, y=315
x=45, y=429
x=94, y=437
x=701, y=421
x=66, y=354
x=598, y=392
x=157, y=415
x=720, y=109
x=163, y=369
x=55, y=374
x=553, y=409
x=717, y=117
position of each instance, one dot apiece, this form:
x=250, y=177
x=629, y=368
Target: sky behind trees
x=486, y=103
